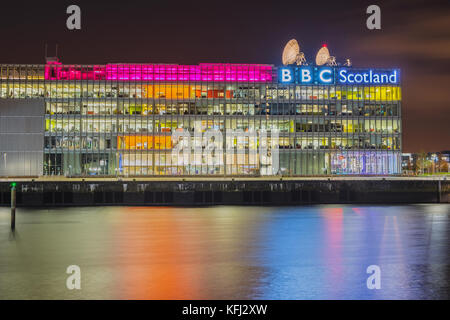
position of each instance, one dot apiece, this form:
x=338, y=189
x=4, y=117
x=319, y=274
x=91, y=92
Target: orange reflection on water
x=151, y=256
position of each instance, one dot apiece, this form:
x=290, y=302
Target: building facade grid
x=119, y=120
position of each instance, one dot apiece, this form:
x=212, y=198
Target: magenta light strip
x=216, y=72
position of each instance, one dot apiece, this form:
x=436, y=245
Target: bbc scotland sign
x=339, y=75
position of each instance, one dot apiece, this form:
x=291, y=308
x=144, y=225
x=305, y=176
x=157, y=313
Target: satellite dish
x=292, y=54
x=323, y=57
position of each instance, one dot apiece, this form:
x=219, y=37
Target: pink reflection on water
x=358, y=211
x=333, y=244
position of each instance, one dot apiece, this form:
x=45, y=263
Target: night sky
x=414, y=36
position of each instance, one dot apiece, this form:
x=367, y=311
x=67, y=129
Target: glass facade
x=127, y=120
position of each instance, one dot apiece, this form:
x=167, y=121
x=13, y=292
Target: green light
x=13, y=184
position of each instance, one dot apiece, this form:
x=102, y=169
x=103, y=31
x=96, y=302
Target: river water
x=226, y=252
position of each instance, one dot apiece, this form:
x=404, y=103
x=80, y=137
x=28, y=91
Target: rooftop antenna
x=323, y=57
x=292, y=54
x=51, y=59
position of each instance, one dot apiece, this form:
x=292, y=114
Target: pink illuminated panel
x=202, y=72
x=56, y=71
x=213, y=72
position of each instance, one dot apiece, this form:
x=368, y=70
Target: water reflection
x=319, y=252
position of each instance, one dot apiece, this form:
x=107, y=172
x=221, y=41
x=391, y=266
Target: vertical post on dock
x=13, y=206
x=439, y=191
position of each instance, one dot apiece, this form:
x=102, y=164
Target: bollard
x=13, y=206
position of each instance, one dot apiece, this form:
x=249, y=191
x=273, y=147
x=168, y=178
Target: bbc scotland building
x=120, y=119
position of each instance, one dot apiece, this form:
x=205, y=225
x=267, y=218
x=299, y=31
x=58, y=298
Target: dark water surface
x=316, y=252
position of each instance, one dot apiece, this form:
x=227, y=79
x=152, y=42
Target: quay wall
x=198, y=192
